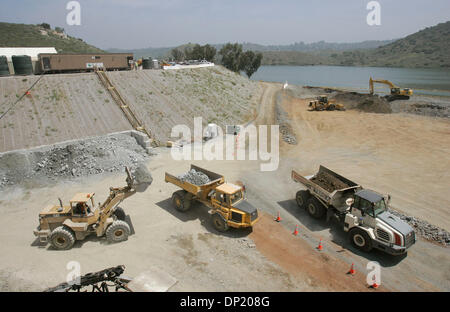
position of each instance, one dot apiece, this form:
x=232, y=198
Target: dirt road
x=404, y=155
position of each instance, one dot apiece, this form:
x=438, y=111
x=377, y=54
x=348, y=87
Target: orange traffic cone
x=374, y=285
x=320, y=248
x=296, y=230
x=352, y=270
x=278, y=219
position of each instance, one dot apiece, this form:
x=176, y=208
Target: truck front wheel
x=360, y=240
x=219, y=223
x=302, y=198
x=118, y=231
x=315, y=208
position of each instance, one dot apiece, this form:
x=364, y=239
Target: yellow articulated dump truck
x=62, y=225
x=228, y=206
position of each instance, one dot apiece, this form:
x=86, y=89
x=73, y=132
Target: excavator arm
x=386, y=82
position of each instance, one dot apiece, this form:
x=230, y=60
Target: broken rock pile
x=425, y=229
x=72, y=159
x=195, y=177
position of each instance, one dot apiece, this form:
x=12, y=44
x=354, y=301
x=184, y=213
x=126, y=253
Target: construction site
x=68, y=134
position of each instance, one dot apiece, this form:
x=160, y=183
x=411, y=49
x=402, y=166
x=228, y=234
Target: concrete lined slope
x=60, y=107
x=163, y=99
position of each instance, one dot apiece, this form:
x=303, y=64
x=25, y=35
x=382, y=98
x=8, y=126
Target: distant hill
x=24, y=35
x=318, y=46
x=299, y=46
x=428, y=48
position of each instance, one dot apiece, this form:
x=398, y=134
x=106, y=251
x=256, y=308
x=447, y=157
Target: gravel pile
x=425, y=229
x=328, y=182
x=195, y=177
x=73, y=159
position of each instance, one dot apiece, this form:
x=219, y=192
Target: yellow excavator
x=397, y=93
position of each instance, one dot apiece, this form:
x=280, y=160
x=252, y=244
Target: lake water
x=422, y=81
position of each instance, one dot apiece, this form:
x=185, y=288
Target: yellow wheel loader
x=322, y=103
x=62, y=225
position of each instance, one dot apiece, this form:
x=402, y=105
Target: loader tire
x=219, y=223
x=302, y=198
x=62, y=238
x=118, y=231
x=182, y=200
x=360, y=240
x=120, y=214
x=315, y=208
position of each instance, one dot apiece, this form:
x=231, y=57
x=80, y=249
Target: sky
x=133, y=24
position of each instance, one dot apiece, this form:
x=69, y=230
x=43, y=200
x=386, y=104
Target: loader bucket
x=142, y=178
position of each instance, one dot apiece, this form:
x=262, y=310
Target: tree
x=59, y=30
x=198, y=52
x=250, y=62
x=45, y=26
x=209, y=52
x=177, y=54
x=231, y=56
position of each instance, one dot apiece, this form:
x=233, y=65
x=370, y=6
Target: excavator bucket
x=140, y=179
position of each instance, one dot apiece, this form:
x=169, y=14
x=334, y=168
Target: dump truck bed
x=200, y=191
x=327, y=185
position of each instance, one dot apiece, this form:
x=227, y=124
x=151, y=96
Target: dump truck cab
x=371, y=225
x=229, y=202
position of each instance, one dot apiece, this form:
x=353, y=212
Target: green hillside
x=24, y=35
x=427, y=48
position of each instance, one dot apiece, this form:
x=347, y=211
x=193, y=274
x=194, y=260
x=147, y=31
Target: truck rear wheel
x=118, y=231
x=182, y=200
x=315, y=208
x=360, y=240
x=219, y=223
x=62, y=238
x=302, y=198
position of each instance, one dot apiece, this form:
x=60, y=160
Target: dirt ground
x=404, y=155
